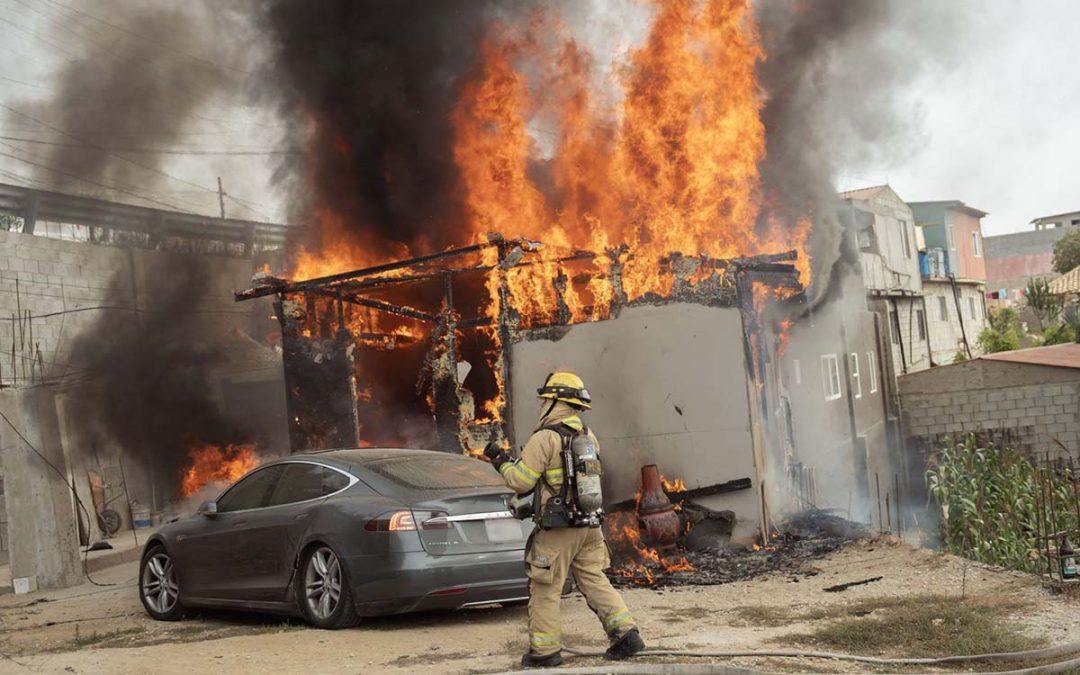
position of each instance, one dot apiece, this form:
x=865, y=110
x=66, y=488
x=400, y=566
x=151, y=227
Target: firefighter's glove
x=498, y=457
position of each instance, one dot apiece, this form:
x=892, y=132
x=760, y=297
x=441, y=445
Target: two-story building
x=886, y=237
x=953, y=277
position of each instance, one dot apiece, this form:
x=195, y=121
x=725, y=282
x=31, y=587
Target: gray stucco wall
x=669, y=387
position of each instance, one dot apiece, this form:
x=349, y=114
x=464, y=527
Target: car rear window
x=437, y=473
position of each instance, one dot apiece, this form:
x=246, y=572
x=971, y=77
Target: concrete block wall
x=50, y=277
x=946, y=338
x=1035, y=418
x=46, y=276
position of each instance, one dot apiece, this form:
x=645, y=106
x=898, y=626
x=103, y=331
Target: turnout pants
x=582, y=552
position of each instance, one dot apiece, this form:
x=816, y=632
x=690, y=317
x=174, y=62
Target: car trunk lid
x=469, y=523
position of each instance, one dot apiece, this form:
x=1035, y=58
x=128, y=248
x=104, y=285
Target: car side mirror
x=208, y=509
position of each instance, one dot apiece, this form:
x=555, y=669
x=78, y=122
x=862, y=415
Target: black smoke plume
x=135, y=75
x=836, y=77
x=371, y=85
x=150, y=373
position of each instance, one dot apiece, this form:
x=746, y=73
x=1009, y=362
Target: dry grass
x=920, y=626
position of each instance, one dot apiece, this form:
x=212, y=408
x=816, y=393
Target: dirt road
x=91, y=629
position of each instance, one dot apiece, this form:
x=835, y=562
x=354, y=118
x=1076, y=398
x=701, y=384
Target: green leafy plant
x=986, y=494
x=1046, y=306
x=1003, y=333
x=1057, y=334
x=1071, y=316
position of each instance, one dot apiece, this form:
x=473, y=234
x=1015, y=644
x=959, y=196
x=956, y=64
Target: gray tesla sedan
x=337, y=535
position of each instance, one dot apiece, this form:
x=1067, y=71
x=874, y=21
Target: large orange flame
x=672, y=167
x=632, y=175
x=216, y=465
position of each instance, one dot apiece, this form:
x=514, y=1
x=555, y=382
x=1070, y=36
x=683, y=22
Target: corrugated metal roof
x=1067, y=283
x=1061, y=356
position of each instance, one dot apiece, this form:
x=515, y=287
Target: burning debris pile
x=802, y=538
x=664, y=538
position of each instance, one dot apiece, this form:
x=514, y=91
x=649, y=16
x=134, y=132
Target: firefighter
x=568, y=536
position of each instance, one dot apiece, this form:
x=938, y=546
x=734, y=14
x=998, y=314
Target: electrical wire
x=113, y=154
x=69, y=486
x=25, y=84
x=155, y=151
x=115, y=188
x=156, y=43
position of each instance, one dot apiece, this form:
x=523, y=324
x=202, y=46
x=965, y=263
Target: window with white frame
x=796, y=368
x=971, y=305
x=856, y=379
x=905, y=238
x=975, y=247
x=830, y=376
x=942, y=308
x=920, y=319
x=871, y=368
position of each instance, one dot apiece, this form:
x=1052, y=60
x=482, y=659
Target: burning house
x=646, y=239
x=679, y=376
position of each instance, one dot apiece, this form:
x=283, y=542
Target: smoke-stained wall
x=669, y=386
x=836, y=388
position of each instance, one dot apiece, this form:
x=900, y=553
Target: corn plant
x=987, y=497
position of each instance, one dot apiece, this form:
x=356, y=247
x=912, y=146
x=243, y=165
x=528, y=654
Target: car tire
x=323, y=591
x=159, y=587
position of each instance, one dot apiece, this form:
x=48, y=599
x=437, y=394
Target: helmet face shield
x=566, y=387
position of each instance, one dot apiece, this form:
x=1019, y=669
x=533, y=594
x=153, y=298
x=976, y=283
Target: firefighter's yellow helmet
x=565, y=387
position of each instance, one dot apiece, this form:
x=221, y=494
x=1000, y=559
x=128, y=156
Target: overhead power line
x=84, y=143
x=130, y=193
x=154, y=151
x=157, y=43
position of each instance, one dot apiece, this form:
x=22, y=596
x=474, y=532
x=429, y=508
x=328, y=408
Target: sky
x=1000, y=128
x=997, y=127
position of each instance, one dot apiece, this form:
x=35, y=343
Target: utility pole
x=221, y=197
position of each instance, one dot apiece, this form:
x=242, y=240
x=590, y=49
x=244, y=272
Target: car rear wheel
x=159, y=589
x=324, y=594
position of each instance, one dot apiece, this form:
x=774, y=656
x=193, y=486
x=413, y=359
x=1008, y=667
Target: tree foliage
x=1003, y=333
x=1045, y=305
x=1067, y=252
x=9, y=223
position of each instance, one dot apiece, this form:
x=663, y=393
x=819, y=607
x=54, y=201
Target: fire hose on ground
x=1034, y=655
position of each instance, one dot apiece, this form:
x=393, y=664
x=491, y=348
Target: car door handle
x=301, y=516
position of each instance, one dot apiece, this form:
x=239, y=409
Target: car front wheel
x=324, y=594
x=159, y=589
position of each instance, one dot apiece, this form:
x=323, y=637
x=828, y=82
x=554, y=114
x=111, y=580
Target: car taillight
x=405, y=521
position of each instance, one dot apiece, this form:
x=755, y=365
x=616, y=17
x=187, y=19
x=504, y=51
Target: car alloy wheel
x=159, y=586
x=322, y=583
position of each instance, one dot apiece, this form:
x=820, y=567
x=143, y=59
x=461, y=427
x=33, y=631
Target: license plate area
x=503, y=530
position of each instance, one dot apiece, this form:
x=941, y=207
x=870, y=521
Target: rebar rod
x=1053, y=514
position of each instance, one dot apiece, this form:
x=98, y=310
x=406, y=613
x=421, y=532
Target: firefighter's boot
x=626, y=646
x=531, y=660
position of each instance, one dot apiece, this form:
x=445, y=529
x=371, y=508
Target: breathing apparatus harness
x=579, y=502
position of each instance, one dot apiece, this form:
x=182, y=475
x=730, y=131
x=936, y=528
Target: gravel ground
x=91, y=629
